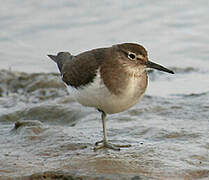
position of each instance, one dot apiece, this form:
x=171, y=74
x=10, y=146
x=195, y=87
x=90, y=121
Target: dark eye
x=132, y=56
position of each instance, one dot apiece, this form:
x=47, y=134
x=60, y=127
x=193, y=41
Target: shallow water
x=42, y=129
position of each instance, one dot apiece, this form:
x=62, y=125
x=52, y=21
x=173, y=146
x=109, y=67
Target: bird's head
x=137, y=54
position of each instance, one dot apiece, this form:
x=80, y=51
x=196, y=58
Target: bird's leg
x=104, y=143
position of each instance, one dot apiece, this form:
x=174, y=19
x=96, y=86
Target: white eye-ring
x=132, y=56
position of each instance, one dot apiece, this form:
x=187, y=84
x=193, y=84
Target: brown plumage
x=110, y=79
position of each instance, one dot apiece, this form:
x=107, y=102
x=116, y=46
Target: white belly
x=97, y=95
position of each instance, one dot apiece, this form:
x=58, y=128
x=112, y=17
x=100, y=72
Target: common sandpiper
x=111, y=79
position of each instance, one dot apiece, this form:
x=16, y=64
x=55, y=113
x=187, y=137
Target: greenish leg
x=104, y=143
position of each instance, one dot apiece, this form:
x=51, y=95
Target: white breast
x=97, y=95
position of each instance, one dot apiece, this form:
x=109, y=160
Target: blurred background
x=175, y=33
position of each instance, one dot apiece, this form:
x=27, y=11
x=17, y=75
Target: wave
x=35, y=86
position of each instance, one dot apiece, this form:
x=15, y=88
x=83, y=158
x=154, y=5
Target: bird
x=111, y=79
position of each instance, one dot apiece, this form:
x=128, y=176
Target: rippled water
x=42, y=128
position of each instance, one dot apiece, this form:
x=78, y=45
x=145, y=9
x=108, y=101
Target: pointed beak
x=153, y=65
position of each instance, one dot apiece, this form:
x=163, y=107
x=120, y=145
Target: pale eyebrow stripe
x=140, y=56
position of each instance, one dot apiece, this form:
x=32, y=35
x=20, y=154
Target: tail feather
x=61, y=58
x=53, y=57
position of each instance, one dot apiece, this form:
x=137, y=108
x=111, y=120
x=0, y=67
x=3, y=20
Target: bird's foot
x=106, y=144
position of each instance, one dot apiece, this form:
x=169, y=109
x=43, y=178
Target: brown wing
x=82, y=69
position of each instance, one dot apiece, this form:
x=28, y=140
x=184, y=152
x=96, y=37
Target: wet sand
x=46, y=135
